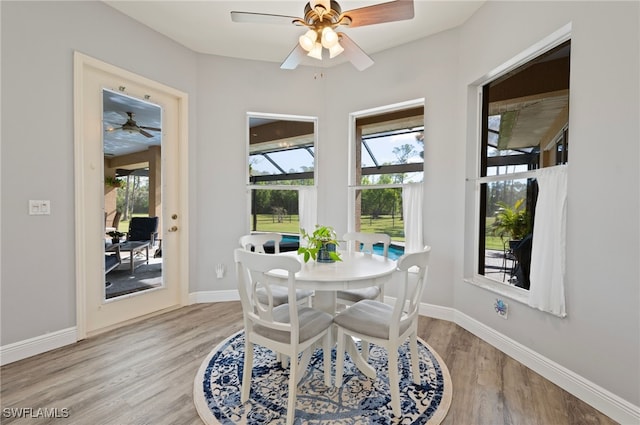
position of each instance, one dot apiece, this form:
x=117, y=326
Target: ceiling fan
x=322, y=17
x=132, y=127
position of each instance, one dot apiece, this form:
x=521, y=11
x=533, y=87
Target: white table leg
x=360, y=362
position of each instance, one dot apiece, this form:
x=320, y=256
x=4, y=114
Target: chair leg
x=365, y=349
x=246, y=373
x=394, y=381
x=326, y=359
x=339, y=357
x=283, y=359
x=293, y=384
x=415, y=363
x=303, y=364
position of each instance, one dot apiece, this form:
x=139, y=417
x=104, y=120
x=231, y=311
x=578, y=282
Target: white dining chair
x=363, y=242
x=288, y=329
x=256, y=242
x=388, y=326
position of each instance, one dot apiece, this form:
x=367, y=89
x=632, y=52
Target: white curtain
x=549, y=239
x=307, y=208
x=412, y=214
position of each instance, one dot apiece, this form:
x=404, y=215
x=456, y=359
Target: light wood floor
x=143, y=374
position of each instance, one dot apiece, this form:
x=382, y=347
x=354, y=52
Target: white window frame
x=354, y=185
x=472, y=193
x=250, y=186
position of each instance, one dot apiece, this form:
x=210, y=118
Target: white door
x=94, y=312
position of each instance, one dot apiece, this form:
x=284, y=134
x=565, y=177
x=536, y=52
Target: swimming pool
x=395, y=251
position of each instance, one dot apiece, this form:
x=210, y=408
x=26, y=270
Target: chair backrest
x=255, y=242
x=410, y=288
x=355, y=239
x=143, y=228
x=251, y=273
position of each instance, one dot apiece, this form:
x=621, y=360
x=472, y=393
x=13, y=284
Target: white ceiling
x=206, y=26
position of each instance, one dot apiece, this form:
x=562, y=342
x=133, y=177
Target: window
x=281, y=161
x=525, y=119
x=388, y=154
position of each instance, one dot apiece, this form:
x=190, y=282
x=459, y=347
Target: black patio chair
x=143, y=229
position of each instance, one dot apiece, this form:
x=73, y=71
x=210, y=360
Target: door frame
x=88, y=176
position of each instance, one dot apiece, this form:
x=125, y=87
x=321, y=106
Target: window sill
x=512, y=292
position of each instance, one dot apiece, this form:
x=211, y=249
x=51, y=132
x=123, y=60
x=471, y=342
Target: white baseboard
x=599, y=398
x=30, y=347
x=213, y=296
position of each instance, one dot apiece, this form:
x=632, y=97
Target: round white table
x=356, y=270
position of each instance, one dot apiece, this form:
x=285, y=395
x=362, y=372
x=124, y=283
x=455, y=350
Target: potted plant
x=512, y=221
x=115, y=236
x=112, y=182
x=321, y=245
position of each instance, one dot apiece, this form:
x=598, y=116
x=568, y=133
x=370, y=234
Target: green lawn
x=383, y=224
x=290, y=224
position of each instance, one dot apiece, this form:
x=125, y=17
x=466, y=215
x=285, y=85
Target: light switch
x=39, y=207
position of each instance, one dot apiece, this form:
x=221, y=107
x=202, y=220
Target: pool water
x=395, y=251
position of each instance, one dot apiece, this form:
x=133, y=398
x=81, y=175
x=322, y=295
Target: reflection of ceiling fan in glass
x=132, y=127
x=322, y=17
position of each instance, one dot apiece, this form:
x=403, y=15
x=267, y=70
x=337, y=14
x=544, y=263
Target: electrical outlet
x=501, y=308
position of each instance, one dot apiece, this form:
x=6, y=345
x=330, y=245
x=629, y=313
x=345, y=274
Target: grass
x=291, y=224
x=382, y=224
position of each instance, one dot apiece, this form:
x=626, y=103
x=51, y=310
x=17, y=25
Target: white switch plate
x=42, y=207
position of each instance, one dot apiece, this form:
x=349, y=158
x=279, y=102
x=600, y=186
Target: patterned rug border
x=209, y=418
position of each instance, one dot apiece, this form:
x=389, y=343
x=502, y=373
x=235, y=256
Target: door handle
x=173, y=229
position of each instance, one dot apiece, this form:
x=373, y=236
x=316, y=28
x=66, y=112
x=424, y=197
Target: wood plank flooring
x=143, y=374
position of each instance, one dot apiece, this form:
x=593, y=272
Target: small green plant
x=115, y=234
x=317, y=241
x=513, y=222
x=113, y=181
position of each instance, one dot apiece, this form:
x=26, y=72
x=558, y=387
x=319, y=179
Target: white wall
x=600, y=337
x=599, y=340
x=227, y=90
x=38, y=41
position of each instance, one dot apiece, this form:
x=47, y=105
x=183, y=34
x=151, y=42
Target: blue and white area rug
x=359, y=400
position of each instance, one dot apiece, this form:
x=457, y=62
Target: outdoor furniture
x=387, y=326
x=112, y=261
x=132, y=248
x=363, y=242
x=287, y=329
x=143, y=229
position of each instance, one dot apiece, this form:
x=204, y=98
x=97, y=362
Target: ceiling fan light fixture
x=316, y=51
x=335, y=50
x=307, y=40
x=325, y=5
x=329, y=37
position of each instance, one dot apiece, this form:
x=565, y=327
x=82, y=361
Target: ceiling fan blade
x=144, y=133
x=150, y=128
x=398, y=10
x=356, y=55
x=295, y=57
x=262, y=18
